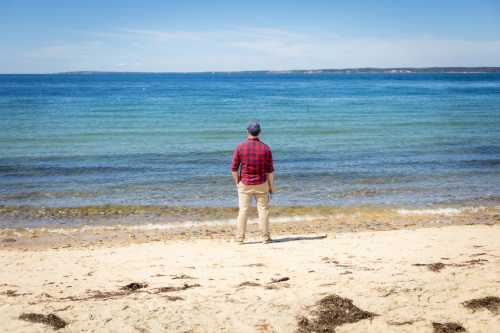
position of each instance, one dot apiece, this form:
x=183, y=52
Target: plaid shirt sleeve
x=235, y=164
x=269, y=167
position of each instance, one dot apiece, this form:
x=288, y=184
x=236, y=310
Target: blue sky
x=52, y=36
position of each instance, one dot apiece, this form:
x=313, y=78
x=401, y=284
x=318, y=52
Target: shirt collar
x=253, y=139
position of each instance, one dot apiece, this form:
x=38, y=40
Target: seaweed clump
x=50, y=319
x=447, y=328
x=491, y=303
x=330, y=312
x=134, y=286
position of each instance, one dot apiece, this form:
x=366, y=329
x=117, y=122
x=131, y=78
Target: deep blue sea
x=167, y=139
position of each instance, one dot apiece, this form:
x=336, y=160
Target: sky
x=189, y=36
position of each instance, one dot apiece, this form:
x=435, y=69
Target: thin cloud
x=164, y=35
x=64, y=50
x=251, y=48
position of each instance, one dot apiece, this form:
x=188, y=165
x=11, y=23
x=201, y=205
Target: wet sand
x=135, y=227
x=413, y=273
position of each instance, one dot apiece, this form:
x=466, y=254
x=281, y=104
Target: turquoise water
x=166, y=139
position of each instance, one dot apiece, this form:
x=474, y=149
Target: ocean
x=166, y=140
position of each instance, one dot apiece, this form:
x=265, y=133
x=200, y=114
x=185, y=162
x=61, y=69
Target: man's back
x=256, y=161
x=255, y=180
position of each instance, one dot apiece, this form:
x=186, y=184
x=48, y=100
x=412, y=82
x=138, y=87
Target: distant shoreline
x=360, y=70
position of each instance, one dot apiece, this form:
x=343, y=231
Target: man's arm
x=236, y=177
x=235, y=164
x=270, y=179
x=269, y=169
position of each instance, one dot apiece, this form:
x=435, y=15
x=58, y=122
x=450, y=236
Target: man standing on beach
x=254, y=160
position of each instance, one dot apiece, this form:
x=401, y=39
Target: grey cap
x=253, y=126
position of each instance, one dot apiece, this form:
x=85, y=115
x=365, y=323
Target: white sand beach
x=213, y=285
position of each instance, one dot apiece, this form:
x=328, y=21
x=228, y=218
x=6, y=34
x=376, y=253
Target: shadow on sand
x=290, y=239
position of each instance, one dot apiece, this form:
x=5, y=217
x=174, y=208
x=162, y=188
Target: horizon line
x=278, y=71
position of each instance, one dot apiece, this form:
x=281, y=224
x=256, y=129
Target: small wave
x=370, y=192
x=437, y=211
x=482, y=162
x=47, y=195
x=170, y=226
x=42, y=171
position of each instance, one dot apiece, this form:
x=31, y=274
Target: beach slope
x=411, y=280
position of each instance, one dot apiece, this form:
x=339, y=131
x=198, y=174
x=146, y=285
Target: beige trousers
x=245, y=195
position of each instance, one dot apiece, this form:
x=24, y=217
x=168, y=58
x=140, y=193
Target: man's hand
x=270, y=189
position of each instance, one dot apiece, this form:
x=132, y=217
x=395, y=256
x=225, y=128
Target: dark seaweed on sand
x=447, y=328
x=249, y=284
x=281, y=279
x=438, y=266
x=434, y=267
x=181, y=277
x=330, y=312
x=491, y=303
x=183, y=287
x=50, y=319
x=134, y=286
x=9, y=240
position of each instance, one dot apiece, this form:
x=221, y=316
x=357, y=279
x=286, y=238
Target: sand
x=214, y=285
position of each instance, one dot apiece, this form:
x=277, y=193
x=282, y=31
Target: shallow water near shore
x=71, y=143
x=112, y=215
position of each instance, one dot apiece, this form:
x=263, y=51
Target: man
x=255, y=179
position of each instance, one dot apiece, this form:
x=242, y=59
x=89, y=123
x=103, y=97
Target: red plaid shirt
x=255, y=159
